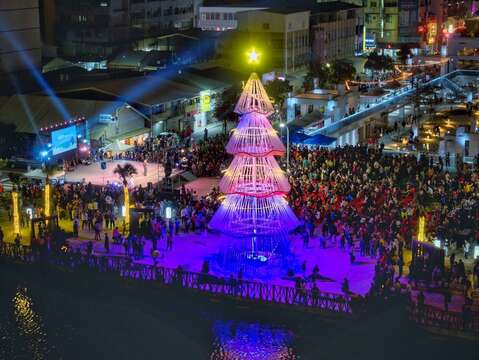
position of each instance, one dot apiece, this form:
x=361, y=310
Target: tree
x=224, y=109
x=328, y=74
x=278, y=90
x=125, y=172
x=342, y=71
x=378, y=62
x=321, y=72
x=308, y=81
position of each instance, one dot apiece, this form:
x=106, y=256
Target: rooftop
x=43, y=113
x=160, y=87
x=285, y=6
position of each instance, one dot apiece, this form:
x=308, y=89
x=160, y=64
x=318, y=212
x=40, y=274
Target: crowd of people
x=358, y=196
x=354, y=197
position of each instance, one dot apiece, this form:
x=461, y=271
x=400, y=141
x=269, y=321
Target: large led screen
x=64, y=140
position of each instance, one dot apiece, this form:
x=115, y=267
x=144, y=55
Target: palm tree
x=125, y=171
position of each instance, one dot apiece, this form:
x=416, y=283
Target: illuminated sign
x=431, y=33
x=205, y=101
x=421, y=231
x=370, y=42
x=106, y=119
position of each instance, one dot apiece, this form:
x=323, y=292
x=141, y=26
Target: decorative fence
x=232, y=288
x=434, y=318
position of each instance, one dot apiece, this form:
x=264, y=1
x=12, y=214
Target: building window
x=373, y=4
x=265, y=26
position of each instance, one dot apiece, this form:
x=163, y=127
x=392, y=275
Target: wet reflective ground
x=46, y=315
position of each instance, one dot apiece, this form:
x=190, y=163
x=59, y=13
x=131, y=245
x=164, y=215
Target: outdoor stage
x=190, y=250
x=95, y=175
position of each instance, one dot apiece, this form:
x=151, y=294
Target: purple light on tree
x=255, y=213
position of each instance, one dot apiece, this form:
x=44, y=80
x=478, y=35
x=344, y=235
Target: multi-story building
x=409, y=12
x=390, y=24
x=337, y=31
x=91, y=29
x=20, y=41
x=433, y=19
x=281, y=34
x=155, y=16
x=382, y=23
x=95, y=29
x=220, y=16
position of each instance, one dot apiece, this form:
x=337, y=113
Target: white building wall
x=220, y=18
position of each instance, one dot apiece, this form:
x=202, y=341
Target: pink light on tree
x=255, y=210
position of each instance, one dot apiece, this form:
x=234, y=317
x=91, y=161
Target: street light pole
x=283, y=125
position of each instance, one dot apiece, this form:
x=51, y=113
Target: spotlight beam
x=16, y=44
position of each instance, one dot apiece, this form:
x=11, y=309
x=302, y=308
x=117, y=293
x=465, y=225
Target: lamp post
x=15, y=212
x=126, y=195
x=283, y=125
x=47, y=195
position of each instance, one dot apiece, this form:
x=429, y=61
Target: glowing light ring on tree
x=256, y=137
x=259, y=177
x=246, y=216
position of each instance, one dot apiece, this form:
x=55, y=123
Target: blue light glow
x=251, y=341
x=15, y=43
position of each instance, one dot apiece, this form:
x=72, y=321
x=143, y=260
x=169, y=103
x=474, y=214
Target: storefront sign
x=106, y=119
x=205, y=101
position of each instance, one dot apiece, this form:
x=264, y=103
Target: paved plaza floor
x=190, y=250
x=203, y=185
x=95, y=175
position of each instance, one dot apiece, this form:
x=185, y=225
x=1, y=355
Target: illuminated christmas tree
x=255, y=213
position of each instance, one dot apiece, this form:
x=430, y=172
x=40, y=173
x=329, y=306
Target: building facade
x=337, y=31
x=96, y=29
x=220, y=17
x=433, y=19
x=382, y=23
x=20, y=40
x=282, y=37
x=159, y=16
x=91, y=29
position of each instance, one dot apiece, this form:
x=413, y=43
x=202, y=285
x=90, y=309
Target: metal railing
x=233, y=288
x=430, y=317
x=388, y=101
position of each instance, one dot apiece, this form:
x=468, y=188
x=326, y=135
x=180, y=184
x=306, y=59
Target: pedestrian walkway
x=191, y=249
